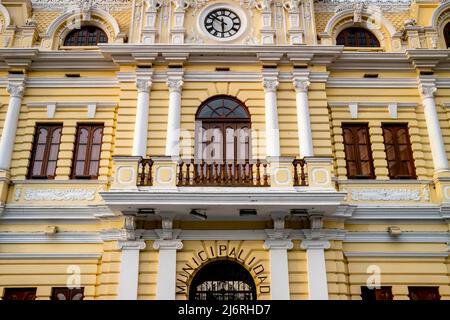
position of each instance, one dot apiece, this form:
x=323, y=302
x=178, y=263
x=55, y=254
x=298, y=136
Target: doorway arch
x=222, y=280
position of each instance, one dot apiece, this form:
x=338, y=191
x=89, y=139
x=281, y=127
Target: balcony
x=201, y=173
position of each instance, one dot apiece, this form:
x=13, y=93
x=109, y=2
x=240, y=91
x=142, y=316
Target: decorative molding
x=386, y=195
x=397, y=213
x=353, y=109
x=404, y=237
x=48, y=214
x=59, y=195
x=392, y=109
x=48, y=256
x=131, y=245
x=315, y=244
x=371, y=83
x=278, y=244
x=168, y=245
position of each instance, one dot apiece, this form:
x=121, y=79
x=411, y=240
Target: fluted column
x=272, y=130
x=427, y=91
x=316, y=268
x=143, y=84
x=129, y=269
x=167, y=264
x=16, y=91
x=279, y=271
x=303, y=118
x=175, y=85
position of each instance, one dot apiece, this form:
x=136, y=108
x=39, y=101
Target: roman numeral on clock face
x=222, y=23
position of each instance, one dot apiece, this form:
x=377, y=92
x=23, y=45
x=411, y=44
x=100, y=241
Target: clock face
x=222, y=23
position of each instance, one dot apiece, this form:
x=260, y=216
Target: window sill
x=72, y=48
x=364, y=49
x=383, y=181
x=54, y=181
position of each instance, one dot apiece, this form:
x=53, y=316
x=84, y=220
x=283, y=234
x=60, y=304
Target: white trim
x=399, y=254
x=383, y=182
x=372, y=83
x=41, y=256
x=52, y=213
x=405, y=237
x=40, y=237
x=425, y=212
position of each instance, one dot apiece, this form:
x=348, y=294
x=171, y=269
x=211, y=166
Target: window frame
x=32, y=291
x=446, y=34
x=48, y=145
x=67, y=291
x=368, y=294
x=430, y=288
x=93, y=127
x=99, y=32
x=355, y=146
x=410, y=152
x=368, y=35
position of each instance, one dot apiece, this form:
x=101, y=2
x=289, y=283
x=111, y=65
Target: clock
x=222, y=23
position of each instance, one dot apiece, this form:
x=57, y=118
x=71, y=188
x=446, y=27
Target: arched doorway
x=222, y=280
x=223, y=130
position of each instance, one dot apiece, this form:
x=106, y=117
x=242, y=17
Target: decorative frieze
x=387, y=195
x=107, y=5
x=57, y=195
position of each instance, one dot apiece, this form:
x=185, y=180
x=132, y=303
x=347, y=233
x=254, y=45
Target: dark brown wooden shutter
x=358, y=153
x=19, y=294
x=382, y=293
x=88, y=147
x=424, y=293
x=398, y=151
x=45, y=151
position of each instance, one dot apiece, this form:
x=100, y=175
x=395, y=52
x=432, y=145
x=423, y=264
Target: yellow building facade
x=195, y=149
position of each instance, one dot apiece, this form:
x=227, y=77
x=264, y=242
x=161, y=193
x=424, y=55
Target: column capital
x=270, y=85
x=315, y=244
x=168, y=245
x=271, y=244
x=427, y=90
x=143, y=85
x=15, y=89
x=301, y=85
x=131, y=245
x=175, y=84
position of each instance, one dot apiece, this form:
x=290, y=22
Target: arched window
x=86, y=36
x=447, y=35
x=222, y=280
x=357, y=37
x=223, y=130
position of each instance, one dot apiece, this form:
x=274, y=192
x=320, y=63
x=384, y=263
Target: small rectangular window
x=424, y=293
x=382, y=293
x=398, y=151
x=358, y=152
x=45, y=151
x=63, y=293
x=19, y=294
x=88, y=147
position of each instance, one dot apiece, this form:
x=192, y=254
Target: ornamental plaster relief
x=24, y=194
x=401, y=194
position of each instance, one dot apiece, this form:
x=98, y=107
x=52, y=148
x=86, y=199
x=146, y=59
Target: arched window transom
x=86, y=36
x=223, y=107
x=222, y=280
x=357, y=37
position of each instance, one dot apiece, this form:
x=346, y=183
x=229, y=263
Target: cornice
x=426, y=58
x=16, y=213
x=404, y=237
x=372, y=83
x=398, y=254
x=41, y=237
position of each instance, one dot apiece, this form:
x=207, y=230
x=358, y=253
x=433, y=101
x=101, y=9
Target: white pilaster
x=167, y=263
x=149, y=31
x=143, y=84
x=175, y=84
x=440, y=160
x=129, y=269
x=279, y=271
x=177, y=32
x=15, y=90
x=303, y=118
x=270, y=83
x=317, y=273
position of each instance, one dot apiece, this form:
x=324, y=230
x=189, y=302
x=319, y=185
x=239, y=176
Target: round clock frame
x=222, y=22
